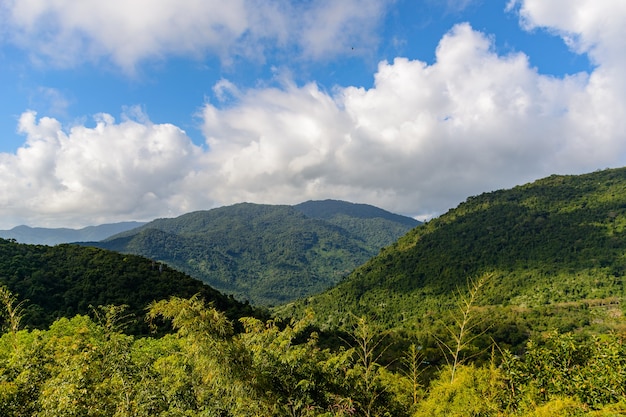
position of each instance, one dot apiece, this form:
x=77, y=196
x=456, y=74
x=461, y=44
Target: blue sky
x=131, y=110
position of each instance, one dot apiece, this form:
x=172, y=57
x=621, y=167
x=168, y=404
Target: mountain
x=268, y=254
x=64, y=280
x=336, y=210
x=46, y=236
x=555, y=250
x=376, y=226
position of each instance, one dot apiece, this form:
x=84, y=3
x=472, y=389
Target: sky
x=123, y=110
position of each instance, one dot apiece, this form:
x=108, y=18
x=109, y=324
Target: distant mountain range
x=267, y=254
x=54, y=236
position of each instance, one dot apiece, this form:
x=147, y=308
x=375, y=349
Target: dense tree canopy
x=87, y=366
x=554, y=247
x=508, y=306
x=267, y=254
x=64, y=280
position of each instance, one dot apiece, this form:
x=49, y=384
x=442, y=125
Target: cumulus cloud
x=426, y=136
x=422, y=139
x=594, y=27
x=111, y=171
x=67, y=32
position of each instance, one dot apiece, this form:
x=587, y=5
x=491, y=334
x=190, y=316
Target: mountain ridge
x=268, y=254
x=328, y=209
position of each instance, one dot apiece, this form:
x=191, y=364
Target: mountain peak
x=328, y=209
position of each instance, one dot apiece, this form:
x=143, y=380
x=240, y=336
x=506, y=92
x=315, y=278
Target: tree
x=592, y=370
x=210, y=371
x=474, y=391
x=367, y=343
x=412, y=371
x=12, y=310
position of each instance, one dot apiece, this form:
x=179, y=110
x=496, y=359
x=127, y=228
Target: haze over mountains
x=54, y=236
x=268, y=254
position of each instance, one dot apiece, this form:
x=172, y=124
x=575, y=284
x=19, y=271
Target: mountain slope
x=556, y=241
x=376, y=226
x=64, y=280
x=332, y=209
x=46, y=236
x=264, y=253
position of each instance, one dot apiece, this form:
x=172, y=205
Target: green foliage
x=375, y=226
x=411, y=374
x=191, y=317
x=559, y=270
x=13, y=310
x=85, y=367
x=591, y=370
x=368, y=347
x=65, y=280
x=562, y=407
x=334, y=210
x=267, y=254
x=555, y=249
x=463, y=326
x=470, y=392
x=82, y=367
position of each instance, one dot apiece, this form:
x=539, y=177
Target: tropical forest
x=510, y=304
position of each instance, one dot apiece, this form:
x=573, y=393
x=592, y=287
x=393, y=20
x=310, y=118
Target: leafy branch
x=463, y=325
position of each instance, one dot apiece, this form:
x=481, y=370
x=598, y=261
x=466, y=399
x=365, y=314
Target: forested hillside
x=64, y=280
x=536, y=330
x=267, y=254
x=555, y=249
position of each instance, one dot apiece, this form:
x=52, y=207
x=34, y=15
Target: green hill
x=556, y=249
x=265, y=253
x=65, y=280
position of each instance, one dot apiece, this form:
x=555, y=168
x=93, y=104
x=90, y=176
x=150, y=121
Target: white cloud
x=594, y=27
x=427, y=136
x=421, y=140
x=424, y=137
x=112, y=171
x=66, y=32
x=341, y=27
